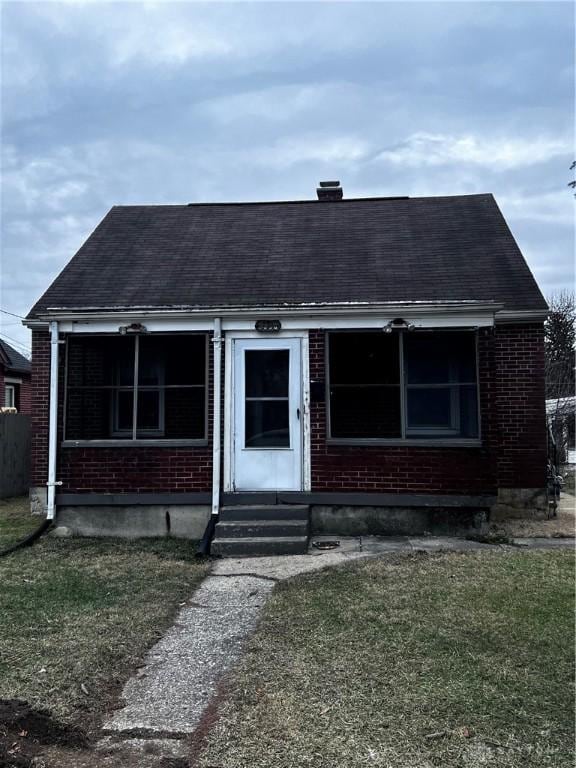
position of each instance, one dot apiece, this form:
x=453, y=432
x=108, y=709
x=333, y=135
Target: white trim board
x=246, y=323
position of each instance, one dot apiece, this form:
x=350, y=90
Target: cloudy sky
x=111, y=103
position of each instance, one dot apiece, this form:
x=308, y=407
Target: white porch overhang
x=469, y=314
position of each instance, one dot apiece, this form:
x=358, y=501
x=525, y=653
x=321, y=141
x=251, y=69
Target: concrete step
x=261, y=545
x=265, y=512
x=232, y=529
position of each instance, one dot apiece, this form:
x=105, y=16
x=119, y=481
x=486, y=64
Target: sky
x=106, y=104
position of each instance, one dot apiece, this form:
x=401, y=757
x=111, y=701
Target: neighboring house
x=15, y=388
x=378, y=360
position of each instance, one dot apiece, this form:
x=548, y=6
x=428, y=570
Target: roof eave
x=310, y=309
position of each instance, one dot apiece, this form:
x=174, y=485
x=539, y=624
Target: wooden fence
x=14, y=454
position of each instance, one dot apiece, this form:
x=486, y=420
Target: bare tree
x=560, y=362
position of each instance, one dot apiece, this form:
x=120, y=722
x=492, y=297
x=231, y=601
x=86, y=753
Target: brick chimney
x=329, y=191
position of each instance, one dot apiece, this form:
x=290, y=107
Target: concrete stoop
x=245, y=531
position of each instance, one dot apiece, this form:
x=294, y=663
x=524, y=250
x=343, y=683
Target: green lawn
x=16, y=522
x=419, y=661
x=77, y=615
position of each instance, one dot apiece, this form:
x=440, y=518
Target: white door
x=267, y=415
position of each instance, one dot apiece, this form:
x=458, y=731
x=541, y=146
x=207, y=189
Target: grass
x=79, y=614
x=16, y=522
x=420, y=661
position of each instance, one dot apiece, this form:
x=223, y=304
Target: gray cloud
x=105, y=104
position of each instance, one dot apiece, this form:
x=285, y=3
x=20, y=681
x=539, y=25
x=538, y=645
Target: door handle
x=298, y=413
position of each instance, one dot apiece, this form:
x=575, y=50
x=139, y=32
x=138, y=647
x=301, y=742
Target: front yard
x=412, y=662
x=78, y=615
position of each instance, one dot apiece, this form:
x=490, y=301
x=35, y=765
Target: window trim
x=445, y=441
x=116, y=442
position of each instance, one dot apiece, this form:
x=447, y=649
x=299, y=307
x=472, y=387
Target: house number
x=268, y=326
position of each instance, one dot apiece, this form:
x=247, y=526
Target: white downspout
x=216, y=426
x=53, y=422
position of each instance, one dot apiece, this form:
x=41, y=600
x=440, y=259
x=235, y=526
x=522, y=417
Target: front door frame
x=228, y=410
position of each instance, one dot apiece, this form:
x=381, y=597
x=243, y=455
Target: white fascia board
x=393, y=309
x=153, y=325
x=467, y=314
x=521, y=316
x=440, y=320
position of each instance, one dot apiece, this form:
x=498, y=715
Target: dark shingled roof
x=14, y=360
x=251, y=254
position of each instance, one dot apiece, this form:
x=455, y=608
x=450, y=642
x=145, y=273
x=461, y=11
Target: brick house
x=15, y=387
x=378, y=362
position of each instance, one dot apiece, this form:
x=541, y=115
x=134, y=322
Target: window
x=364, y=385
x=440, y=382
x=411, y=385
x=136, y=387
x=267, y=399
x=10, y=396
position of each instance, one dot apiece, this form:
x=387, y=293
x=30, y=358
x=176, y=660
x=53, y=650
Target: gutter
x=281, y=310
x=216, y=450
x=203, y=549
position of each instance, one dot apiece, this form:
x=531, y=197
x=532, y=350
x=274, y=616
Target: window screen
x=437, y=378
x=164, y=374
x=440, y=382
x=364, y=385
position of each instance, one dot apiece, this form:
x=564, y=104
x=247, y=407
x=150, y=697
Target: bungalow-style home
x=334, y=366
x=14, y=380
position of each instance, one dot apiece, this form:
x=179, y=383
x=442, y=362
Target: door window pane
x=267, y=372
x=267, y=424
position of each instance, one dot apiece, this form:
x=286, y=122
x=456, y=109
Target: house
x=15, y=387
x=377, y=363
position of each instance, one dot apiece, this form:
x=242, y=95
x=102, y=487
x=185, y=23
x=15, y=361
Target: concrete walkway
x=166, y=699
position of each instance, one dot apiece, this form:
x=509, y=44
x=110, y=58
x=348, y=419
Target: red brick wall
x=25, y=396
x=521, y=413
x=40, y=391
x=513, y=450
x=512, y=454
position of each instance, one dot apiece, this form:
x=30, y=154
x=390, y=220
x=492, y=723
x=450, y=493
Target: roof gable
x=13, y=360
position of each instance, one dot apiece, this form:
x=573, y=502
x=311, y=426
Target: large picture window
x=419, y=385
x=142, y=387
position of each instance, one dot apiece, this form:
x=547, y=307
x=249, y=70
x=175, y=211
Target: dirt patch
x=24, y=731
x=208, y=720
x=561, y=526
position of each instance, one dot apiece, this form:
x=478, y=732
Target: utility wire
x=5, y=312
x=15, y=341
